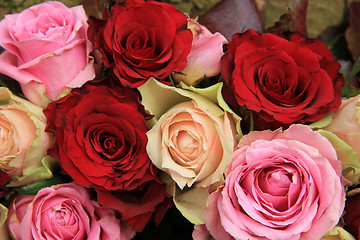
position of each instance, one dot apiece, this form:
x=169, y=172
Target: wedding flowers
x=279, y=185
x=286, y=78
x=100, y=141
x=143, y=124
x=41, y=43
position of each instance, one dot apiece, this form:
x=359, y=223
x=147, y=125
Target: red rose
x=4, y=179
x=138, y=206
x=286, y=79
x=352, y=215
x=142, y=39
x=100, y=141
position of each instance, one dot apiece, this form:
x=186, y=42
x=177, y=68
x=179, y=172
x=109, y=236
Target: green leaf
x=33, y=188
x=355, y=70
x=349, y=92
x=334, y=40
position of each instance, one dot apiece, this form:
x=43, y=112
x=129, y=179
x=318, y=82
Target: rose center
x=59, y=217
x=186, y=143
x=275, y=182
x=109, y=142
x=279, y=179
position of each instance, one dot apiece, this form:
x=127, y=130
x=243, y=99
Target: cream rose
x=346, y=122
x=346, y=126
x=23, y=142
x=193, y=138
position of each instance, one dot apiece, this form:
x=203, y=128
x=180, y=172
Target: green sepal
x=33, y=188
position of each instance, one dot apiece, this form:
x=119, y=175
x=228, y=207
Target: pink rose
x=201, y=233
x=47, y=43
x=63, y=211
x=204, y=57
x=279, y=185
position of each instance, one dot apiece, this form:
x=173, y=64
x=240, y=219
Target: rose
x=24, y=143
x=4, y=179
x=286, y=78
x=188, y=143
x=41, y=44
x=105, y=128
x=204, y=57
x=279, y=185
x=346, y=123
x=201, y=233
x=63, y=211
x=193, y=138
x=138, y=206
x=352, y=216
x=141, y=39
x=100, y=141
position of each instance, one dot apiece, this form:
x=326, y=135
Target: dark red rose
x=100, y=141
x=4, y=179
x=142, y=39
x=101, y=137
x=137, y=207
x=352, y=215
x=285, y=79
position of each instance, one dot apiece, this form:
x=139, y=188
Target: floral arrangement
x=116, y=126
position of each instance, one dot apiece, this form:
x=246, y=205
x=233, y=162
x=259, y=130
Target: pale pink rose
x=204, y=57
x=47, y=43
x=279, y=185
x=63, y=211
x=346, y=123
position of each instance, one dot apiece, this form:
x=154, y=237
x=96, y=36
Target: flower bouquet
x=141, y=123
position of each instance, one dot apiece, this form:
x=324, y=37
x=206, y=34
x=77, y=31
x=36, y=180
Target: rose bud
x=204, y=57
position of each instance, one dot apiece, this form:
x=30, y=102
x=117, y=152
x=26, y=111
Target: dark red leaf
x=94, y=7
x=232, y=16
x=294, y=20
